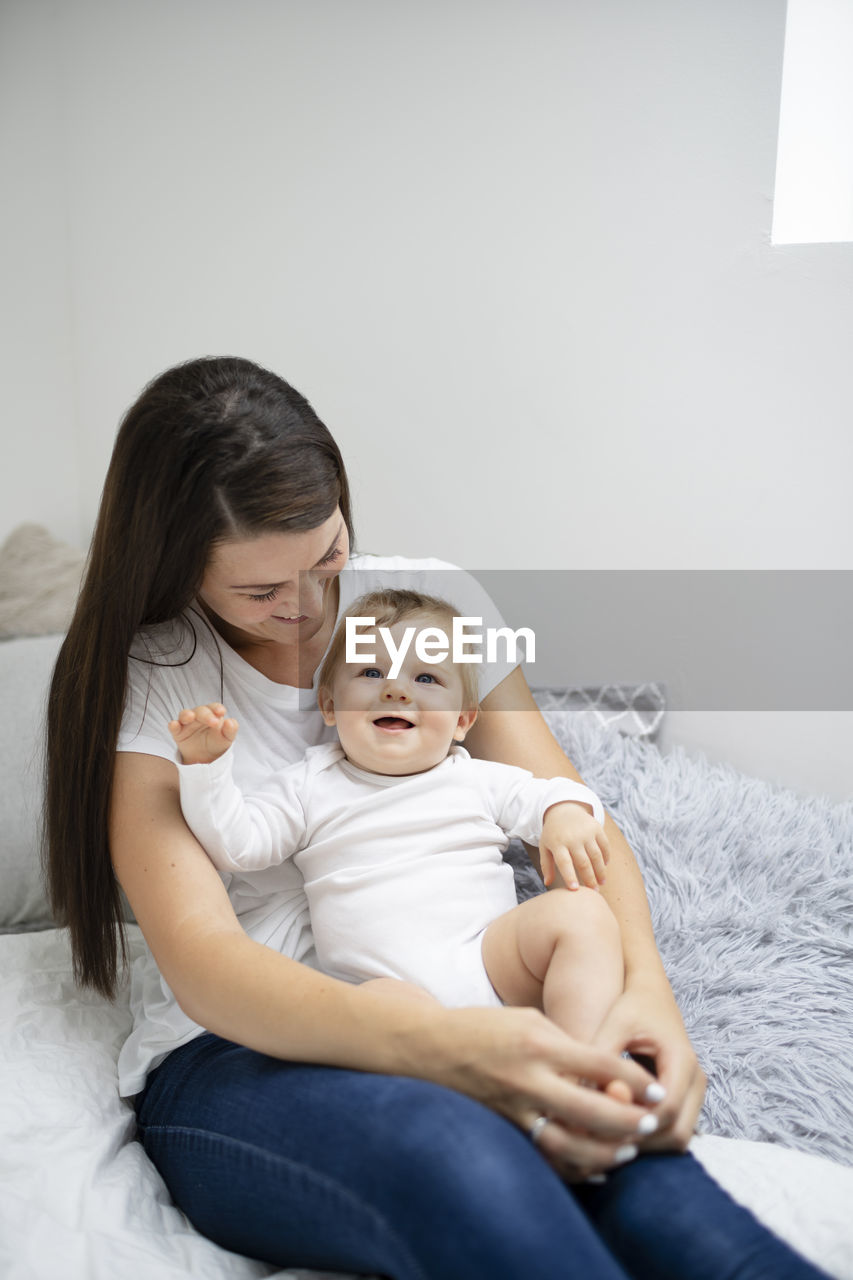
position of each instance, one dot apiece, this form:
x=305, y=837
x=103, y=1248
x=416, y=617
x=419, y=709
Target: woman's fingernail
x=648, y=1124
x=623, y=1154
x=655, y=1092
x=597, y=1179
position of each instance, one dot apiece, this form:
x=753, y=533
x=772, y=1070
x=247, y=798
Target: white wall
x=39, y=477
x=515, y=251
x=809, y=751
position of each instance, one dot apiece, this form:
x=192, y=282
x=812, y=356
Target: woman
x=313, y=1122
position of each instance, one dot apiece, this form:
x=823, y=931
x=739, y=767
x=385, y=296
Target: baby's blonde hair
x=389, y=607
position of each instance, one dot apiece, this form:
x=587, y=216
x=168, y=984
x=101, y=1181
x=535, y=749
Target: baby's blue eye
x=372, y=673
x=425, y=678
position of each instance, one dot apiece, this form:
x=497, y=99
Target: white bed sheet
x=80, y=1199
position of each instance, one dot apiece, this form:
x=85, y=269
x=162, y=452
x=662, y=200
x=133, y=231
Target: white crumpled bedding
x=80, y=1199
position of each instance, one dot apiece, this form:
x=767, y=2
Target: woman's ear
x=463, y=724
x=326, y=705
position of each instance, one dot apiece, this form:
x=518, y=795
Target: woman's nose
x=310, y=595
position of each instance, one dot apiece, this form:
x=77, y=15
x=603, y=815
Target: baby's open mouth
x=393, y=722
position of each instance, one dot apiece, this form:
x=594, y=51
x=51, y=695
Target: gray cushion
x=25, y=669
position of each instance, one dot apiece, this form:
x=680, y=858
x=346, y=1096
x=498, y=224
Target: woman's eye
x=426, y=677
x=268, y=595
x=330, y=558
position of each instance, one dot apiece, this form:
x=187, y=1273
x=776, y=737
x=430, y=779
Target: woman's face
x=273, y=587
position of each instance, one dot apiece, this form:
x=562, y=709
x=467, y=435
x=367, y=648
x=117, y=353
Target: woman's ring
x=534, y=1133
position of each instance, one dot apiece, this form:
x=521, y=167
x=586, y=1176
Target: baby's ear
x=326, y=705
x=463, y=724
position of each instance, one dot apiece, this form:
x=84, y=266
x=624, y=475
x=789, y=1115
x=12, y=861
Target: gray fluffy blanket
x=751, y=893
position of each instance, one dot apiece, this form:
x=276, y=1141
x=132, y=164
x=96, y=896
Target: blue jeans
x=347, y=1171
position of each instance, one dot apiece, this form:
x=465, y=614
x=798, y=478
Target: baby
x=398, y=834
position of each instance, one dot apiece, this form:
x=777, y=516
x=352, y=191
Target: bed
x=751, y=890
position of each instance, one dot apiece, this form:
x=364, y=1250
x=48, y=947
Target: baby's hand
x=204, y=734
x=574, y=844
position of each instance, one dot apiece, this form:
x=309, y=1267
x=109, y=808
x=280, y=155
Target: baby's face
x=399, y=725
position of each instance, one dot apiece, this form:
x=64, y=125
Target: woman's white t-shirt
x=184, y=663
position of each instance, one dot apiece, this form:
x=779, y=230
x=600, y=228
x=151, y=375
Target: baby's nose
x=394, y=692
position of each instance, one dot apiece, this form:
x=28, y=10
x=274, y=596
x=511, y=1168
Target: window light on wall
x=814, y=167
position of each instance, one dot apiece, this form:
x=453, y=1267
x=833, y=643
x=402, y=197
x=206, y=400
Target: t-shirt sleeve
x=471, y=600
x=150, y=703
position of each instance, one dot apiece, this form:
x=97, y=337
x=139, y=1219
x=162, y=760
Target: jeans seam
x=320, y=1178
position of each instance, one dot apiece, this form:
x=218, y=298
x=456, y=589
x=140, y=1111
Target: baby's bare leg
x=562, y=952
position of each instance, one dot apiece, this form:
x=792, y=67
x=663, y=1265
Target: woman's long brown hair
x=214, y=448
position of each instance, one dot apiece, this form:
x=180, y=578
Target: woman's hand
x=643, y=1021
x=519, y=1063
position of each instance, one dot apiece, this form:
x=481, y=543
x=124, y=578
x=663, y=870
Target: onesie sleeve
x=520, y=800
x=243, y=833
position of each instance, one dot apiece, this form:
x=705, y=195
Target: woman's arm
x=513, y=1060
x=511, y=729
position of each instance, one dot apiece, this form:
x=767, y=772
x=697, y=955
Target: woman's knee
x=467, y=1154
x=489, y=1203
